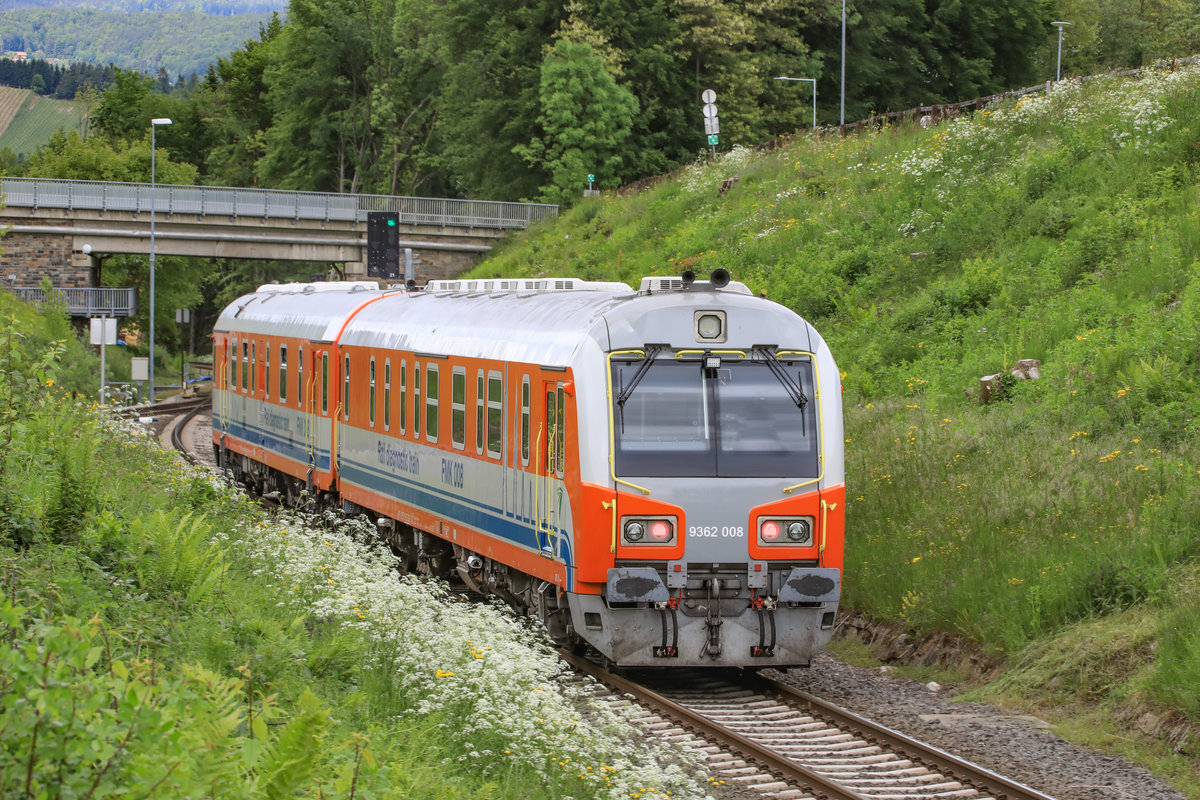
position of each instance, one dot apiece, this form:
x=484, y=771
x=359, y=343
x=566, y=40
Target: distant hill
x=27, y=120
x=223, y=8
x=181, y=42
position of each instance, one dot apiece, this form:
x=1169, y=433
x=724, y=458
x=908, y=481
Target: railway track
x=784, y=743
x=167, y=408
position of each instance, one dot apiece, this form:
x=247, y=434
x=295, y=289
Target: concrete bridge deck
x=50, y=222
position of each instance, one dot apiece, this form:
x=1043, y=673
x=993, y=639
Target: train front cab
x=728, y=523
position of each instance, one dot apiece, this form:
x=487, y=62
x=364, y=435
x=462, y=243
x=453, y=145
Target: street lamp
x=1058, y=69
x=843, y=104
x=154, y=123
x=813, y=81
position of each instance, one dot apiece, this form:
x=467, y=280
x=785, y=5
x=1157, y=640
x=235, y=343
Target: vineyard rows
x=10, y=104
x=28, y=120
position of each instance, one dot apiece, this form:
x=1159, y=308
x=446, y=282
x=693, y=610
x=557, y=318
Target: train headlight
x=710, y=326
x=648, y=531
x=788, y=531
x=800, y=531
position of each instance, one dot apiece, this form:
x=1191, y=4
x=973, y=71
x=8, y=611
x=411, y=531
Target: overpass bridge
x=62, y=229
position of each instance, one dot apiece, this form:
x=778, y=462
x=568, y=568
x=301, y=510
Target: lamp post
x=1058, y=68
x=813, y=81
x=154, y=123
x=842, y=120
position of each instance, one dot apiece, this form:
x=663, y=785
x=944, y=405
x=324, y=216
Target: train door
x=240, y=403
x=316, y=407
x=550, y=470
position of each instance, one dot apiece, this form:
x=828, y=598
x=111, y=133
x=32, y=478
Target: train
x=656, y=474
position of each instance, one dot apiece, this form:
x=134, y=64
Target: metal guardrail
x=84, y=302
x=266, y=203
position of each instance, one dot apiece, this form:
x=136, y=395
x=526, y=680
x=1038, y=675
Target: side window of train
x=495, y=415
x=300, y=377
x=346, y=388
x=403, y=397
x=551, y=433
x=253, y=369
x=245, y=384
x=231, y=381
x=480, y=412
x=267, y=371
x=387, y=394
x=525, y=433
x=561, y=438
x=431, y=402
x=283, y=373
x=371, y=398
x=458, y=408
x=417, y=399
x=325, y=384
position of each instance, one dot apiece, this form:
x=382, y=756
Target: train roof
x=542, y=321
x=314, y=311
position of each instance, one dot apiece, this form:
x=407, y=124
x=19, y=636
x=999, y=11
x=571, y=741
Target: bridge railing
x=266, y=203
x=84, y=302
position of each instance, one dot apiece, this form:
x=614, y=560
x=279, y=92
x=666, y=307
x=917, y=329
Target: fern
x=290, y=759
x=176, y=555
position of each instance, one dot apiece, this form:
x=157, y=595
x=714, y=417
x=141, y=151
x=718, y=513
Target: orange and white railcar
x=657, y=473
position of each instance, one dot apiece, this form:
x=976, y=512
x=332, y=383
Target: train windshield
x=745, y=419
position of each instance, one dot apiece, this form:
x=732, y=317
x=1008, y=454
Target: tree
x=233, y=105
x=489, y=101
x=586, y=119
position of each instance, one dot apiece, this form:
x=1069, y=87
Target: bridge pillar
x=27, y=258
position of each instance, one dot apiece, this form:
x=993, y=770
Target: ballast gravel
x=1019, y=747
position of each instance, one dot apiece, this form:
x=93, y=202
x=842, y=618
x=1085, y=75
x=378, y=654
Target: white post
x=1058, y=67
x=843, y=102
x=154, y=123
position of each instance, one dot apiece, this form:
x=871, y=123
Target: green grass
x=1060, y=228
x=38, y=118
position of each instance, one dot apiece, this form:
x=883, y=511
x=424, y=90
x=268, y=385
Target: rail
x=228, y=202
x=84, y=302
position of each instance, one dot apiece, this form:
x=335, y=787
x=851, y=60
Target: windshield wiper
x=647, y=362
x=794, y=391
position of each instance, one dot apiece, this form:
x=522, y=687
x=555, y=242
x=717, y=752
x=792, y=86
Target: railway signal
x=383, y=244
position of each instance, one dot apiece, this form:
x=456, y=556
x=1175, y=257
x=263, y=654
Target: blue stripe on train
x=268, y=440
x=486, y=518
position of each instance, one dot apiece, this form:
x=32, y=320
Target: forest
x=522, y=99
x=181, y=42
x=52, y=80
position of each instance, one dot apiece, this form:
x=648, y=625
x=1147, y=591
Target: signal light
x=793, y=531
x=643, y=531
x=383, y=244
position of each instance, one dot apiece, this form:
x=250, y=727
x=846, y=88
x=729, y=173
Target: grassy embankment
x=160, y=636
x=1059, y=526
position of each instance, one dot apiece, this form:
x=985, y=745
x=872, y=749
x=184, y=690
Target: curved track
x=814, y=748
